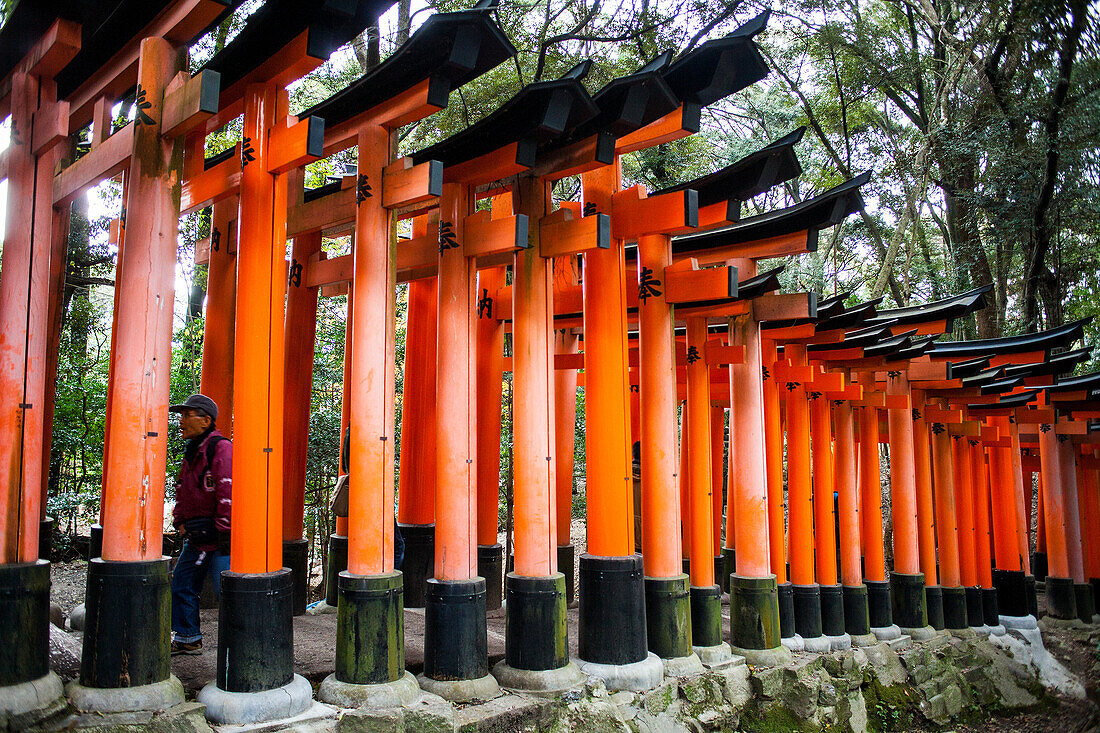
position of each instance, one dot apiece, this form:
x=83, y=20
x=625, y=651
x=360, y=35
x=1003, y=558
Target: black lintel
x=1017, y=400
x=1001, y=386
x=719, y=67
x=449, y=48
x=968, y=368
x=1042, y=341
x=540, y=112
x=1056, y=365
x=950, y=308
x=1073, y=384
x=330, y=24
x=107, y=27
x=749, y=176
x=821, y=211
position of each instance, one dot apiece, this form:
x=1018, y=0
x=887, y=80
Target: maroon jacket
x=202, y=493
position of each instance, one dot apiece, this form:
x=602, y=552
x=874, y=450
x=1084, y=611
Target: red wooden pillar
x=824, y=468
x=416, y=481
x=299, y=336
x=1059, y=583
x=667, y=604
x=773, y=453
x=1008, y=575
x=565, y=422
x=873, y=540
x=754, y=594
x=954, y=597
x=490, y=377
x=807, y=595
x=907, y=581
x=216, y=381
x=979, y=473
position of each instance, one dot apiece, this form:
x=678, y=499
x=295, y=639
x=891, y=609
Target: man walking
x=201, y=515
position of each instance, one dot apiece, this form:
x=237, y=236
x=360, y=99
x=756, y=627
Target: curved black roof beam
x=968, y=368
x=889, y=347
x=917, y=348
x=719, y=67
x=821, y=211
x=107, y=28
x=630, y=102
x=450, y=49
x=1001, y=386
x=1041, y=341
x=329, y=23
x=749, y=176
x=1016, y=400
x=949, y=309
x=1056, y=365
x=537, y=114
x=1072, y=384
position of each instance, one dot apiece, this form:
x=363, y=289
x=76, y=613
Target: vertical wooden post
x=258, y=351
x=906, y=582
x=609, y=490
x=300, y=335
x=667, y=606
x=954, y=597
x=216, y=381
x=873, y=540
x=1060, y=598
x=754, y=597
x=490, y=375
x=565, y=422
x=700, y=483
x=773, y=453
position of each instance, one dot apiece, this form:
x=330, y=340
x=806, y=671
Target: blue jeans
x=187, y=579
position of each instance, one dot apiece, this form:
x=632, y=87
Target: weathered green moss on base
x=370, y=629
x=706, y=615
x=668, y=616
x=24, y=622
x=754, y=612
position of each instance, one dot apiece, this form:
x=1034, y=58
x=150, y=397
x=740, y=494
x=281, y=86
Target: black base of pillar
x=933, y=599
x=685, y=564
x=1095, y=583
x=337, y=563
x=807, y=611
x=878, y=603
x=786, y=611
x=490, y=566
x=668, y=616
x=907, y=600
x=611, y=619
x=1011, y=592
x=975, y=613
x=706, y=615
x=725, y=565
x=535, y=630
x=456, y=646
x=754, y=612
x=1060, y=598
x=1039, y=565
x=256, y=631
x=419, y=564
x=954, y=608
x=45, y=538
x=95, y=541
x=1086, y=605
x=567, y=565
x=1030, y=593
x=128, y=607
x=296, y=558
x=24, y=622
x=857, y=613
x=370, y=628
x=832, y=610
x=990, y=611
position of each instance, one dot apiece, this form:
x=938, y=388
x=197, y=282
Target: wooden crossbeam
x=781, y=246
x=501, y=163
x=190, y=105
x=580, y=157
x=564, y=233
x=683, y=286
x=427, y=97
x=405, y=184
x=485, y=235
x=634, y=214
x=677, y=124
x=214, y=184
x=106, y=160
x=294, y=144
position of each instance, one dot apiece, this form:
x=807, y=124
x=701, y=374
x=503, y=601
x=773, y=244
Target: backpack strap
x=212, y=446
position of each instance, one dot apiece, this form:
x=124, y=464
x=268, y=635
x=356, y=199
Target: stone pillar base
x=546, y=682
x=146, y=698
x=31, y=700
x=716, y=656
x=401, y=691
x=239, y=708
x=481, y=688
x=683, y=666
x=634, y=677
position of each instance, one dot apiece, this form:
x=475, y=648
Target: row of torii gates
x=657, y=295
